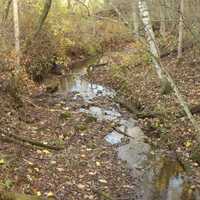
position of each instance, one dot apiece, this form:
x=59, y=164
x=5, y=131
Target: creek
x=161, y=177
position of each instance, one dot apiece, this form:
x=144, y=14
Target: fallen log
x=173, y=51
x=94, y=66
x=136, y=112
x=12, y=138
x=195, y=109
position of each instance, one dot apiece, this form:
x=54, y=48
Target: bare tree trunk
x=43, y=16
x=150, y=36
x=158, y=65
x=69, y=5
x=162, y=18
x=16, y=31
x=181, y=27
x=135, y=18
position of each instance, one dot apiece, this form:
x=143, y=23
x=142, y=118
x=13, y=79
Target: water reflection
x=169, y=184
x=103, y=114
x=114, y=137
x=81, y=87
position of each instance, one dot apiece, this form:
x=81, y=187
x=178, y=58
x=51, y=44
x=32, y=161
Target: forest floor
x=87, y=167
x=130, y=73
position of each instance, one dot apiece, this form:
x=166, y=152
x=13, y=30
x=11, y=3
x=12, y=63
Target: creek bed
x=162, y=177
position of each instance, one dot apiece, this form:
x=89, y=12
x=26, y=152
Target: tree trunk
x=5, y=16
x=43, y=16
x=144, y=12
x=181, y=26
x=162, y=18
x=16, y=31
x=69, y=5
x=135, y=18
x=158, y=65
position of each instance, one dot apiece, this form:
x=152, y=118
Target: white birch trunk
x=162, y=73
x=144, y=12
x=16, y=32
x=181, y=26
x=162, y=18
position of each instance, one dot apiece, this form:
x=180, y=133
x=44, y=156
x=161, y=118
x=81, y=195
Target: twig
x=122, y=133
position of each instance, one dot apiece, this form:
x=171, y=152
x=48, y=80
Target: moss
x=66, y=115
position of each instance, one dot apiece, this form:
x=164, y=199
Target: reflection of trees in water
x=74, y=83
x=169, y=184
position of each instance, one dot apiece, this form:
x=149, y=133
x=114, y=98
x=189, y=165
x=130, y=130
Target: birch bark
x=162, y=73
x=16, y=33
x=145, y=17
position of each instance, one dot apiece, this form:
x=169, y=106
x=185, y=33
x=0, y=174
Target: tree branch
x=43, y=16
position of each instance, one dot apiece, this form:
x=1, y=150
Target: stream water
x=163, y=178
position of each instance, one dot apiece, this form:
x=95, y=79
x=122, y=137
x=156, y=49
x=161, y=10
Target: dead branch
x=194, y=109
x=122, y=133
x=12, y=138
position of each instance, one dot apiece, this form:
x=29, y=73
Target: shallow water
x=162, y=177
x=74, y=83
x=103, y=114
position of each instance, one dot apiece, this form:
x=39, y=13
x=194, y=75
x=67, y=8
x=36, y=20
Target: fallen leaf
x=98, y=164
x=53, y=162
x=81, y=186
x=36, y=169
x=50, y=194
x=188, y=144
x=2, y=161
x=102, y=181
x=60, y=169
x=38, y=193
x=46, y=151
